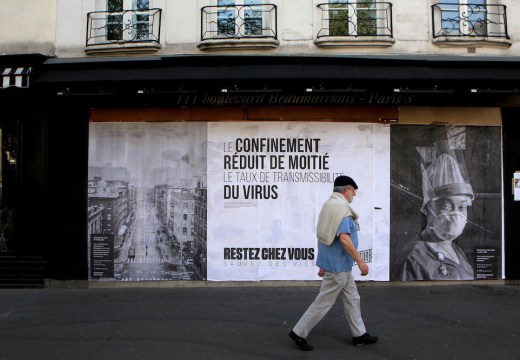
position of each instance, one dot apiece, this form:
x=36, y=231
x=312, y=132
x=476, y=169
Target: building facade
x=156, y=100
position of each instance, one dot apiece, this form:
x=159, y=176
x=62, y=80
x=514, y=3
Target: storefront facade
x=213, y=167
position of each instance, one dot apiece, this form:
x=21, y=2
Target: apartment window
x=469, y=18
x=125, y=25
x=237, y=23
x=464, y=17
x=235, y=20
x=355, y=18
x=461, y=22
x=345, y=23
x=114, y=20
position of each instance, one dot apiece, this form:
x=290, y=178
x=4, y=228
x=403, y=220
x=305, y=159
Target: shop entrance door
x=7, y=186
x=21, y=263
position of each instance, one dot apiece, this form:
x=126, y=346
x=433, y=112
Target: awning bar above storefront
x=248, y=66
x=447, y=78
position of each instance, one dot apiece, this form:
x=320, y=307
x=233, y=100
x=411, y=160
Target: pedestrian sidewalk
x=412, y=322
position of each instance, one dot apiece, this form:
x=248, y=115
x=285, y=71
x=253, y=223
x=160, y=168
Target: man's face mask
x=449, y=218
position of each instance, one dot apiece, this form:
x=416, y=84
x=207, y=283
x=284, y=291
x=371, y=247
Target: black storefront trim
x=281, y=68
x=431, y=79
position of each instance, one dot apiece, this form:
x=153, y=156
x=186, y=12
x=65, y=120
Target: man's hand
x=321, y=273
x=363, y=267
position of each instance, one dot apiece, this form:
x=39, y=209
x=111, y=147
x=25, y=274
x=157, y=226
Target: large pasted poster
x=446, y=203
x=266, y=184
x=147, y=201
x=229, y=201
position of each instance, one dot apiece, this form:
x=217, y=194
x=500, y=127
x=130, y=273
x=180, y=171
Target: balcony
x=357, y=24
x=239, y=27
x=123, y=31
x=469, y=25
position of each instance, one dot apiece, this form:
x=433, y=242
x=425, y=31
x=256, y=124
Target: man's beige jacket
x=331, y=214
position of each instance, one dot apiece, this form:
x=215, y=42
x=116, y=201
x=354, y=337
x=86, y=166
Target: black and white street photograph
x=147, y=201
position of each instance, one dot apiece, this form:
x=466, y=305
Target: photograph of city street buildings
x=147, y=201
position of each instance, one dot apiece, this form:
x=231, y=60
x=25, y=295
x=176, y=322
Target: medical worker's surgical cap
x=443, y=178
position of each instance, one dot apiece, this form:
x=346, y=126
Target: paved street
x=413, y=322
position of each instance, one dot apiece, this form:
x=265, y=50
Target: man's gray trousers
x=332, y=285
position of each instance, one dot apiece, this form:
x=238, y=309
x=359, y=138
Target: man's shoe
x=364, y=339
x=300, y=342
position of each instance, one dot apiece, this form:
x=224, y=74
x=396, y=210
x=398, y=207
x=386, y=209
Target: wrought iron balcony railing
x=120, y=27
x=358, y=19
x=469, y=20
x=239, y=22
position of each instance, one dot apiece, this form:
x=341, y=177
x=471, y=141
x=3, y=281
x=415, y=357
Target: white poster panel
x=266, y=184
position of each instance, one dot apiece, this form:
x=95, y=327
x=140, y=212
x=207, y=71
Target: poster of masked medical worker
x=267, y=182
x=446, y=211
x=147, y=201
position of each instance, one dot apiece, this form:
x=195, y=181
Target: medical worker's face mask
x=449, y=217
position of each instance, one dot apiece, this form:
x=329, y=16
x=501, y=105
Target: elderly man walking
x=338, y=240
